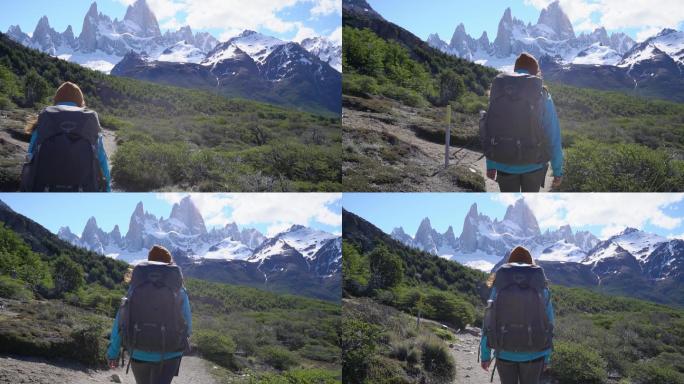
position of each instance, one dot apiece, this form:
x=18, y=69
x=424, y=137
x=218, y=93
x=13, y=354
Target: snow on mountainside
x=484, y=242
x=552, y=35
x=103, y=42
x=669, y=42
x=185, y=231
x=326, y=50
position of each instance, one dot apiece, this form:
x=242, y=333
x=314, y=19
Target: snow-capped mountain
x=326, y=50
x=251, y=65
x=552, y=35
x=668, y=42
x=185, y=231
x=103, y=42
x=484, y=242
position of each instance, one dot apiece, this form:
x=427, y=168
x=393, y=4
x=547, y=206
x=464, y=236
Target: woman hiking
x=519, y=321
x=66, y=152
x=154, y=321
x=520, y=132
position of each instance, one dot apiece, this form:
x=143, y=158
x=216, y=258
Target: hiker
x=518, y=322
x=66, y=152
x=520, y=132
x=154, y=321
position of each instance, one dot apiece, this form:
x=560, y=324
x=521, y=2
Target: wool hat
x=527, y=62
x=160, y=254
x=69, y=92
x=520, y=255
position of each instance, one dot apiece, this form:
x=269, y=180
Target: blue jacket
x=486, y=353
x=101, y=154
x=552, y=128
x=115, y=338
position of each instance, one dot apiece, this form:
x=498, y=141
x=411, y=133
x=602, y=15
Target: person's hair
x=527, y=62
x=518, y=255
x=67, y=92
x=160, y=254
x=128, y=275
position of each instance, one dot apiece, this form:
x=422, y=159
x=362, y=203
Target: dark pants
x=150, y=373
x=524, y=182
x=511, y=372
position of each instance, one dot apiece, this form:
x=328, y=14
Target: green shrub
x=599, y=167
x=413, y=357
x=382, y=370
x=67, y=275
x=14, y=289
x=299, y=376
x=18, y=261
x=279, y=357
x=216, y=346
x=89, y=345
x=655, y=373
x=359, y=343
x=438, y=361
x=577, y=363
x=450, y=309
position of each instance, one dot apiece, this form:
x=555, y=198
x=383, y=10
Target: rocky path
x=468, y=370
x=109, y=139
x=15, y=370
x=431, y=154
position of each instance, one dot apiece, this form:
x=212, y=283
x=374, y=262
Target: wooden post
x=447, y=136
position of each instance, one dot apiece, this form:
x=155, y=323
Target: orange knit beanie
x=160, y=254
x=69, y=92
x=527, y=62
x=520, y=255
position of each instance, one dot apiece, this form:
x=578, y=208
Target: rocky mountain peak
x=521, y=214
x=188, y=215
x=554, y=18
x=143, y=18
x=92, y=11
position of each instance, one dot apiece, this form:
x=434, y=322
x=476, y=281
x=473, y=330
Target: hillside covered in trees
x=598, y=338
x=172, y=138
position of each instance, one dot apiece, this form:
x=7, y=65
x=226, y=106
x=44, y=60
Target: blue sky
x=270, y=213
x=285, y=19
x=638, y=18
x=602, y=214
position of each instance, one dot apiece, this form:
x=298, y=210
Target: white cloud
x=611, y=211
x=336, y=36
x=279, y=210
x=303, y=33
x=678, y=237
x=239, y=14
x=648, y=17
x=326, y=7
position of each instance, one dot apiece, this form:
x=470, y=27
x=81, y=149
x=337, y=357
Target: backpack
x=512, y=131
x=64, y=157
x=151, y=315
x=516, y=320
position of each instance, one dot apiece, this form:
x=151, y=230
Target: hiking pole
x=447, y=136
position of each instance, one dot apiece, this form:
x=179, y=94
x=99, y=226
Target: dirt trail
x=109, y=140
x=468, y=370
x=433, y=152
x=38, y=371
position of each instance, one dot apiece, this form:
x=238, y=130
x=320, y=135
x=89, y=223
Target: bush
x=598, y=167
x=19, y=262
x=450, y=309
x=296, y=376
x=359, y=342
x=438, y=361
x=67, y=275
x=382, y=370
x=14, y=289
x=279, y=357
x=655, y=373
x=386, y=268
x=577, y=363
x=216, y=346
x=89, y=345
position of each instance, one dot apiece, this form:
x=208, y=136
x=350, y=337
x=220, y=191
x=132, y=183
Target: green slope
x=174, y=138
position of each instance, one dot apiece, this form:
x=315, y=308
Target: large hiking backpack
x=512, y=130
x=64, y=157
x=151, y=315
x=516, y=320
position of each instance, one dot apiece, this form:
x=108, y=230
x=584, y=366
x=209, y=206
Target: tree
x=451, y=86
x=354, y=269
x=67, y=274
x=35, y=88
x=386, y=268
